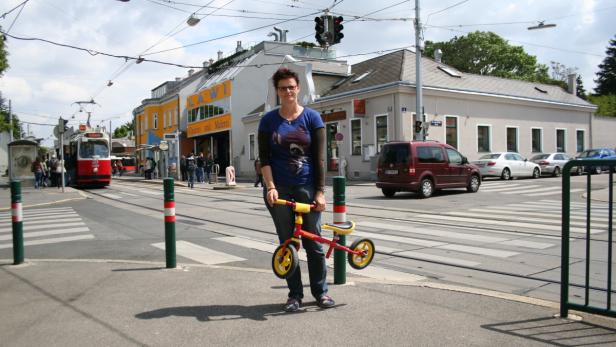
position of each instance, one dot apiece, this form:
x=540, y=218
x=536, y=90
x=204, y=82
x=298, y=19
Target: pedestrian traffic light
x=319, y=27
x=338, y=35
x=418, y=126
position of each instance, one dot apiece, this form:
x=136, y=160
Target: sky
x=45, y=81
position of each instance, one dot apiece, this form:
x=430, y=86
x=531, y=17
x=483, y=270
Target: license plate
x=391, y=172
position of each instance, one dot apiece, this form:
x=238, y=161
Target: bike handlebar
x=297, y=206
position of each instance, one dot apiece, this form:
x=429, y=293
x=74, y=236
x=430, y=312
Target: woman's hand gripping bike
x=285, y=260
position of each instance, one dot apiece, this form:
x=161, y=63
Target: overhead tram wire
x=13, y=9
x=23, y=4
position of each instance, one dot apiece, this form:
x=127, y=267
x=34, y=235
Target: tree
x=123, y=130
x=606, y=77
x=5, y=119
x=486, y=53
x=4, y=63
x=579, y=90
x=606, y=104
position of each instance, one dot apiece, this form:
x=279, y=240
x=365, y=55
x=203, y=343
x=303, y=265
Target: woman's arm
x=318, y=162
x=266, y=168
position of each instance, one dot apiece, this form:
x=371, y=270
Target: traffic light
x=418, y=126
x=319, y=27
x=338, y=35
x=62, y=127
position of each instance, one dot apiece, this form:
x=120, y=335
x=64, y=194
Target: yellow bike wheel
x=361, y=261
x=285, y=261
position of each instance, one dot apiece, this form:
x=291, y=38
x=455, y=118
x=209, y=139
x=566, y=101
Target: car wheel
x=536, y=173
x=556, y=172
x=506, y=174
x=426, y=188
x=473, y=184
x=388, y=192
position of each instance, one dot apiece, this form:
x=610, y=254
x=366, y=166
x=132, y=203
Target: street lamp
x=193, y=20
x=541, y=25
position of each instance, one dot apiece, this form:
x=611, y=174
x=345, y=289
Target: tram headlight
x=94, y=169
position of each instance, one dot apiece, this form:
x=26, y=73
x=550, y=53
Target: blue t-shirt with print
x=290, y=143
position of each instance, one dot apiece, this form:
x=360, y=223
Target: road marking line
x=511, y=188
x=371, y=271
x=49, y=225
x=556, y=214
x=527, y=244
x=200, y=254
x=554, y=193
x=432, y=232
x=42, y=221
x=535, y=190
x=49, y=241
x=447, y=260
x=37, y=213
x=499, y=253
x=400, y=239
x=548, y=221
x=111, y=196
x=45, y=233
x=129, y=194
x=37, y=218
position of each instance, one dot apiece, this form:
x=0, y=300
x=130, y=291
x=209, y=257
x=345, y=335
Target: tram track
x=390, y=254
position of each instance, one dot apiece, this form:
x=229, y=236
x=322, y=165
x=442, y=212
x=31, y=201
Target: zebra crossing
x=532, y=190
x=45, y=226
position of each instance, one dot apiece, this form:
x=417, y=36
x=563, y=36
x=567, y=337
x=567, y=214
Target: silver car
x=507, y=165
x=551, y=163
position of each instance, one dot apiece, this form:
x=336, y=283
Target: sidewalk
x=115, y=303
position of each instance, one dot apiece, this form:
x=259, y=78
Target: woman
x=291, y=150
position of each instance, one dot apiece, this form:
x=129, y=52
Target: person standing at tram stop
x=292, y=149
x=259, y=179
x=183, y=167
x=209, y=164
x=191, y=166
x=37, y=170
x=200, y=168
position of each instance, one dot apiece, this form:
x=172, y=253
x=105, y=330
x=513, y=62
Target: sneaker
x=326, y=301
x=292, y=305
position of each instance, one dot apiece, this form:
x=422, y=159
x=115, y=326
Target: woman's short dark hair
x=282, y=74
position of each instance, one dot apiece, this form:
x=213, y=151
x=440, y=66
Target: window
x=355, y=136
x=155, y=120
x=561, y=136
x=512, y=139
x=451, y=72
x=251, y=146
x=536, y=141
x=427, y=154
x=451, y=131
x=165, y=120
x=395, y=154
x=483, y=138
x=579, y=135
x=145, y=122
x=362, y=76
x=93, y=148
x=454, y=156
x=381, y=131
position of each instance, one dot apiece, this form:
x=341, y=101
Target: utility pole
x=61, y=124
x=419, y=114
x=10, y=122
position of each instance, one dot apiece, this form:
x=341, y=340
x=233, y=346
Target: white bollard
x=230, y=175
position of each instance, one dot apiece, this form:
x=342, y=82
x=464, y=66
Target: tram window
x=92, y=148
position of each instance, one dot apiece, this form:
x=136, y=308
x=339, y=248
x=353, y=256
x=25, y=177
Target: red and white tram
x=89, y=158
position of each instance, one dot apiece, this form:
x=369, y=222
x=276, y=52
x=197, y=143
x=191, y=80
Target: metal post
x=10, y=123
x=169, y=223
x=419, y=115
x=564, y=243
x=18, y=225
x=62, y=167
x=340, y=217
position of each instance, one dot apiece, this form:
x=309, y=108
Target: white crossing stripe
x=129, y=194
x=200, y=254
x=37, y=210
x=370, y=271
x=509, y=188
x=555, y=221
x=49, y=241
x=39, y=214
x=555, y=192
x=432, y=232
x=41, y=221
x=49, y=225
x=536, y=190
x=150, y=192
x=547, y=214
x=399, y=239
x=439, y=258
x=527, y=244
x=111, y=196
x=46, y=233
x=28, y=219
x=479, y=250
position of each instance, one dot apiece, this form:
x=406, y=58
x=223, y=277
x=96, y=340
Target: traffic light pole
x=61, y=132
x=419, y=114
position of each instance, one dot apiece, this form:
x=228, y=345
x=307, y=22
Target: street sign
x=338, y=137
x=163, y=145
x=171, y=136
x=56, y=132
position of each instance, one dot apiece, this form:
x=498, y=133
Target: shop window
x=451, y=131
x=381, y=131
x=512, y=139
x=579, y=135
x=536, y=140
x=561, y=140
x=355, y=136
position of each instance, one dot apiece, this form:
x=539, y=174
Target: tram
x=88, y=160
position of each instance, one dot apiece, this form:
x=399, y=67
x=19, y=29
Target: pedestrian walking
x=259, y=179
x=114, y=168
x=37, y=170
x=209, y=164
x=120, y=167
x=183, y=168
x=147, y=166
x=200, y=168
x=191, y=167
x=291, y=150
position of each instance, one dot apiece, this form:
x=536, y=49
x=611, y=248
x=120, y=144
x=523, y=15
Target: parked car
x=595, y=153
x=551, y=163
x=423, y=167
x=507, y=165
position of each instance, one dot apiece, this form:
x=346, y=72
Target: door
x=333, y=152
x=457, y=170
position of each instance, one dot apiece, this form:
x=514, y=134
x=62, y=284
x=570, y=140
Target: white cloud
x=15, y=88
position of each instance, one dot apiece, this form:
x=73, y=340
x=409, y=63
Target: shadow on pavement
x=557, y=332
x=217, y=312
x=138, y=269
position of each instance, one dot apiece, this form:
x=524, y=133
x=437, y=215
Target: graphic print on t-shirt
x=295, y=140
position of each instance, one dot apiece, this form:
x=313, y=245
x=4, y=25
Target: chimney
x=206, y=64
x=437, y=55
x=572, y=83
x=190, y=72
x=239, y=47
x=219, y=55
x=177, y=79
x=211, y=61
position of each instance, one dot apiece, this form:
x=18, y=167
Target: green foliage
x=606, y=77
x=606, y=103
x=306, y=44
x=124, y=130
x=4, y=62
x=5, y=120
x=486, y=53
x=579, y=90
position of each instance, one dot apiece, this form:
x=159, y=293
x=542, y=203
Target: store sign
x=210, y=125
x=359, y=107
x=334, y=116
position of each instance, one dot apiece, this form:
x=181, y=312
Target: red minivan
x=423, y=167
